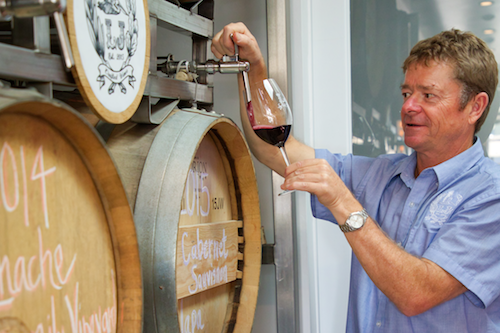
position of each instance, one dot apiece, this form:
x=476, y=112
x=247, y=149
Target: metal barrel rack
x=31, y=51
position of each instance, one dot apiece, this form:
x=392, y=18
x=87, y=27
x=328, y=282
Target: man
x=424, y=228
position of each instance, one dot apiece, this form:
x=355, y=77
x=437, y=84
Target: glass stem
x=285, y=156
x=287, y=162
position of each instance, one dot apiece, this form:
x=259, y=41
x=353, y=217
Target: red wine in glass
x=274, y=135
x=269, y=114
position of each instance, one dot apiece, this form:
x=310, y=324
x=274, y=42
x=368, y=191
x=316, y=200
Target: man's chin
x=412, y=143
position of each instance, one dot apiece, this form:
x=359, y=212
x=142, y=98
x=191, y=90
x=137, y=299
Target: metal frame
x=179, y=19
x=31, y=61
x=19, y=63
x=284, y=247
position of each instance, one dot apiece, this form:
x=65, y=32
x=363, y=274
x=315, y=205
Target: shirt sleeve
x=468, y=247
x=351, y=169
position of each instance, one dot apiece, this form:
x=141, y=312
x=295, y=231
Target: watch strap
x=348, y=228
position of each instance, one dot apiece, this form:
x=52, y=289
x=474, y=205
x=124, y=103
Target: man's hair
x=474, y=63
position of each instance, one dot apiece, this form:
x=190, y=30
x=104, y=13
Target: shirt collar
x=406, y=169
x=447, y=171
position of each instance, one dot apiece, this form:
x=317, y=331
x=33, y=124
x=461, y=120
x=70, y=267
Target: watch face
x=356, y=221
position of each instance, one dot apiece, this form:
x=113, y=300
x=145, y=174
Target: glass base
x=285, y=192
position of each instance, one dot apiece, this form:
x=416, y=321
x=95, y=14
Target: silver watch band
x=348, y=228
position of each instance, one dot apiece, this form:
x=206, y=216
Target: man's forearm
x=413, y=284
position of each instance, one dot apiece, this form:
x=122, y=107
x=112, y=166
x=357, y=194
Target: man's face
x=432, y=120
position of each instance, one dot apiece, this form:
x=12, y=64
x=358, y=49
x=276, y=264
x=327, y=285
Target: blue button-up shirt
x=450, y=215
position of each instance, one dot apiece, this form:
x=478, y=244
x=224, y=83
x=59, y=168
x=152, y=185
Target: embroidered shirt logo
x=442, y=207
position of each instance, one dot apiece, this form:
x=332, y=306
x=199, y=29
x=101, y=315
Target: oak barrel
x=192, y=184
x=68, y=247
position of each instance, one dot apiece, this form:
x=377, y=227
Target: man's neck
x=425, y=161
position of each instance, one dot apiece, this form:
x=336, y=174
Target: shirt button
x=379, y=324
x=412, y=204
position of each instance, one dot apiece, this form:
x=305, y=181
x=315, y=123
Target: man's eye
x=405, y=95
x=429, y=95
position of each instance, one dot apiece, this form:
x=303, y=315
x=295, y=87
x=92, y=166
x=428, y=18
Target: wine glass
x=270, y=116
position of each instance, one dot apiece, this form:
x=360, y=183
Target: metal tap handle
x=62, y=33
x=246, y=82
x=236, y=53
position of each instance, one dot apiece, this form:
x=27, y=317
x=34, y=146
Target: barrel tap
x=227, y=65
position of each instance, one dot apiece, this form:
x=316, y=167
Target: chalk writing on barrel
x=191, y=322
x=20, y=276
x=10, y=190
x=44, y=268
x=194, y=190
x=204, y=250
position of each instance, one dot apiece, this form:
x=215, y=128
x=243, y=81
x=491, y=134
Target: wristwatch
x=355, y=221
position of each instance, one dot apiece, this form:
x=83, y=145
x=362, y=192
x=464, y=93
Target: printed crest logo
x=113, y=30
x=442, y=207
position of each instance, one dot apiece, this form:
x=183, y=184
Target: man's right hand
x=248, y=48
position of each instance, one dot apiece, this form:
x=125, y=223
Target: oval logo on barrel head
x=112, y=54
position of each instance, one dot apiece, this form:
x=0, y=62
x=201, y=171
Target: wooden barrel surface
x=68, y=248
x=110, y=41
x=196, y=209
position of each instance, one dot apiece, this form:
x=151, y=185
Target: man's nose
x=411, y=104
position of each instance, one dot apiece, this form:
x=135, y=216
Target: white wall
x=321, y=102
x=321, y=99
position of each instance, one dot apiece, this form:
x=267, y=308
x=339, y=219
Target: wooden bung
x=192, y=185
x=69, y=257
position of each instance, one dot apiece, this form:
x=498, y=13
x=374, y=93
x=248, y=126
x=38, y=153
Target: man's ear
x=478, y=105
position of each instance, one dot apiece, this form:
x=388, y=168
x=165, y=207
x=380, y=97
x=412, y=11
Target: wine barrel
x=192, y=184
x=68, y=247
